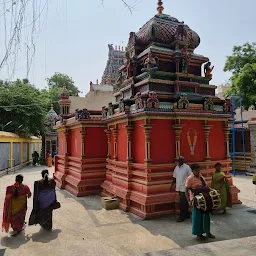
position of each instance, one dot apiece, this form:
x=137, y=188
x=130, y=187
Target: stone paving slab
x=236, y=247
x=82, y=227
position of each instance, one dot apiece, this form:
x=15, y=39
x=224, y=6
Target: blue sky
x=75, y=36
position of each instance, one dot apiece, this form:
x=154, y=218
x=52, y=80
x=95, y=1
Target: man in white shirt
x=180, y=174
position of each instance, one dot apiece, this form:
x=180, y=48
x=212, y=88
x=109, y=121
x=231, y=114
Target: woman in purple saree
x=44, y=202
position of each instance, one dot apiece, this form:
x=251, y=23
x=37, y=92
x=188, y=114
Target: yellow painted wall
x=7, y=137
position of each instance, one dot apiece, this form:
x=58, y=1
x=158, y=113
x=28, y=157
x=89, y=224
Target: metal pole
x=233, y=136
x=243, y=139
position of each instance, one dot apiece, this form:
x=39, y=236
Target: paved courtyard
x=82, y=227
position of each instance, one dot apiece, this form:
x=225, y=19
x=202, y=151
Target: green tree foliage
x=23, y=107
x=56, y=84
x=59, y=80
x=242, y=64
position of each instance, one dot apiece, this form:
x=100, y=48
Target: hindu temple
x=164, y=107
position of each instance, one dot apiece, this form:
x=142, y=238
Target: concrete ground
x=82, y=227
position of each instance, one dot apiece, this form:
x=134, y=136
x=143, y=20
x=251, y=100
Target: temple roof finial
x=160, y=7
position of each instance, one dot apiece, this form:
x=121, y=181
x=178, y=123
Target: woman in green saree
x=221, y=184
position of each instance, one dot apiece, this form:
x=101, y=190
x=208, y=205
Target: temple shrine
x=164, y=107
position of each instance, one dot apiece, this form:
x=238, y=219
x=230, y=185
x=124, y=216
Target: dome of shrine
x=64, y=93
x=52, y=114
x=51, y=117
x=165, y=30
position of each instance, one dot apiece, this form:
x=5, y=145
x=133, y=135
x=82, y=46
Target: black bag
x=203, y=189
x=56, y=205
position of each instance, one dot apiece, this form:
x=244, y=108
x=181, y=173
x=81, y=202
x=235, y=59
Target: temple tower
x=115, y=61
x=64, y=103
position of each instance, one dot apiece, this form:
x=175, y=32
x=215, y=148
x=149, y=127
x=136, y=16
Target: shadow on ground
x=15, y=242
x=239, y=222
x=45, y=236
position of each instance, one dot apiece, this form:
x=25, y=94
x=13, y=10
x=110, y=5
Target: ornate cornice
x=135, y=116
x=208, y=86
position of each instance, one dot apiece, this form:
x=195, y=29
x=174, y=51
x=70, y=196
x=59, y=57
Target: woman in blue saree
x=44, y=202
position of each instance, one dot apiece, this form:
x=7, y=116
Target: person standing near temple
x=221, y=184
x=54, y=153
x=47, y=156
x=180, y=174
x=35, y=157
x=196, y=184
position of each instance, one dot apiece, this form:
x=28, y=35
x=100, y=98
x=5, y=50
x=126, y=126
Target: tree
x=22, y=106
x=56, y=84
x=242, y=64
x=59, y=80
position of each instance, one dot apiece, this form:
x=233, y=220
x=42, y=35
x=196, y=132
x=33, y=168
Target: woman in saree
x=196, y=184
x=221, y=184
x=44, y=202
x=15, y=206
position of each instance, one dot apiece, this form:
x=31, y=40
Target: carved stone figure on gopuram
x=164, y=107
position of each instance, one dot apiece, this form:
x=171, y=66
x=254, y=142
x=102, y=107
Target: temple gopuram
x=116, y=58
x=164, y=107
x=101, y=93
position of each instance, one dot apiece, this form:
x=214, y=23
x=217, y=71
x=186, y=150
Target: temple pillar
x=28, y=152
x=108, y=133
x=252, y=127
x=177, y=64
x=177, y=88
x=177, y=129
x=147, y=129
x=66, y=134
x=129, y=129
x=83, y=132
x=227, y=132
x=11, y=155
x=62, y=181
x=134, y=68
x=115, y=133
x=207, y=128
x=21, y=153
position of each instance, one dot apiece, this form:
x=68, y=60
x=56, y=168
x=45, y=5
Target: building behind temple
x=101, y=94
x=222, y=89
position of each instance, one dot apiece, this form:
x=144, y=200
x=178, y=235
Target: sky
x=75, y=34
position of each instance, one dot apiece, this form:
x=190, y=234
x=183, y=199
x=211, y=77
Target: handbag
x=56, y=205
